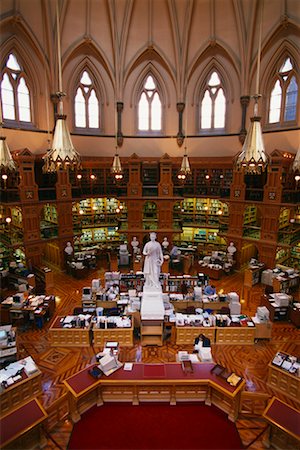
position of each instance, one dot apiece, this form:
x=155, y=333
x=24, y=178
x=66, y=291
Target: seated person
x=202, y=339
x=209, y=290
x=175, y=253
x=113, y=292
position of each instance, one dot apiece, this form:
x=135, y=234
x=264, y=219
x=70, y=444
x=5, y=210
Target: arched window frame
x=94, y=86
x=15, y=81
x=284, y=84
x=204, y=88
x=157, y=90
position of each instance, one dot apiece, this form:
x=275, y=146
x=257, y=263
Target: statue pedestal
x=152, y=307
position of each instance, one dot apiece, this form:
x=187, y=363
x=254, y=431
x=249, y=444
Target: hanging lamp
x=253, y=158
x=116, y=168
x=62, y=154
x=185, y=168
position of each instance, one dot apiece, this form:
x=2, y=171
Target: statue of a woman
x=153, y=261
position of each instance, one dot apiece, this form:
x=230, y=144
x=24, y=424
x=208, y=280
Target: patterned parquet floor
x=59, y=363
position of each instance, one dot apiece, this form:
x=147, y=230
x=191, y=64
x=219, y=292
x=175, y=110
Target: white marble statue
x=231, y=249
x=153, y=261
x=135, y=245
x=165, y=244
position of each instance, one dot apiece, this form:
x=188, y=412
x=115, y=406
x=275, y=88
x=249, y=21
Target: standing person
x=153, y=261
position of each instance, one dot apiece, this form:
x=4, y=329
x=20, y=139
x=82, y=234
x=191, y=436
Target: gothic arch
x=213, y=51
x=88, y=49
x=31, y=66
x=87, y=64
x=285, y=49
x=150, y=69
x=141, y=59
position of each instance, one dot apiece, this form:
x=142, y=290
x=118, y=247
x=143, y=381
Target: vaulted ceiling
x=179, y=41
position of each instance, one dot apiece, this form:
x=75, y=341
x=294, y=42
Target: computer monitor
x=86, y=291
x=3, y=335
x=18, y=298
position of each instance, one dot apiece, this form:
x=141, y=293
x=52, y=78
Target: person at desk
x=113, y=292
x=209, y=290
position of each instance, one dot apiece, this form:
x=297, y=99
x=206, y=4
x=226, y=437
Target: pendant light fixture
x=185, y=168
x=62, y=154
x=6, y=160
x=116, y=168
x=253, y=158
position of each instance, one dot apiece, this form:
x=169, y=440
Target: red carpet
x=154, y=426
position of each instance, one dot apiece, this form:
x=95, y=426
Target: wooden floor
x=59, y=363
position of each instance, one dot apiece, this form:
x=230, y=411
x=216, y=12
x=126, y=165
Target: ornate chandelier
x=116, y=168
x=185, y=168
x=253, y=158
x=62, y=155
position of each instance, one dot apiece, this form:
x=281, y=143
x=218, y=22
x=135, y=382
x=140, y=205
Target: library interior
x=150, y=223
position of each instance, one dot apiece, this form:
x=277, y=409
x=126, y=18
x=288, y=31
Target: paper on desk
x=128, y=366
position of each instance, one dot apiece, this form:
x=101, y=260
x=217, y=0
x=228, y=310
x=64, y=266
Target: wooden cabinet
x=124, y=336
x=263, y=330
x=276, y=312
x=187, y=335
x=252, y=276
x=284, y=382
x=217, y=335
x=152, y=332
x=286, y=284
x=235, y=335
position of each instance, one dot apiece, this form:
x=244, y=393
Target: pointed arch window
x=150, y=107
x=284, y=95
x=213, y=104
x=86, y=103
x=15, y=93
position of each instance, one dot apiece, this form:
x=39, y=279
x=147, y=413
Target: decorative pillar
x=135, y=201
x=165, y=185
x=180, y=135
x=64, y=212
x=245, y=100
x=28, y=191
x=120, y=107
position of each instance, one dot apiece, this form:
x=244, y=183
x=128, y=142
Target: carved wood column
x=134, y=187
x=165, y=185
x=64, y=212
x=28, y=191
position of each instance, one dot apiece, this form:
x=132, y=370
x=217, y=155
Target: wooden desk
x=21, y=391
x=68, y=337
x=284, y=382
x=153, y=382
x=21, y=427
x=214, y=274
x=284, y=432
x=124, y=336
